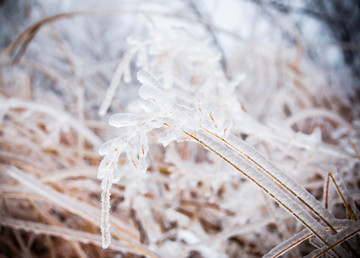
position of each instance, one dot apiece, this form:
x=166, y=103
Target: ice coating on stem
x=260, y=161
x=230, y=156
x=137, y=152
x=105, y=211
x=115, y=82
x=151, y=91
x=206, y=120
x=348, y=200
x=124, y=119
x=147, y=79
x=343, y=235
x=288, y=244
x=105, y=148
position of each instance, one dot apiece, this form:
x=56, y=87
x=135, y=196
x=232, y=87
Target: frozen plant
x=194, y=103
x=280, y=109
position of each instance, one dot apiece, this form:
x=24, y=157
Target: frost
x=148, y=107
x=105, y=211
x=187, y=237
x=137, y=152
x=151, y=91
x=197, y=160
x=185, y=96
x=146, y=79
x=167, y=137
x=214, y=130
x=353, y=211
x=121, y=120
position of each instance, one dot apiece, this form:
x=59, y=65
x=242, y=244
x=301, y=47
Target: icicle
x=105, y=210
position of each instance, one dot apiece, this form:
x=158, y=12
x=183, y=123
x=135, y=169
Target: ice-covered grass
x=171, y=131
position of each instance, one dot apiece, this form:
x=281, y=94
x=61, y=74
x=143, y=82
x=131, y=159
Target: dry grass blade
x=18, y=47
x=80, y=208
x=66, y=233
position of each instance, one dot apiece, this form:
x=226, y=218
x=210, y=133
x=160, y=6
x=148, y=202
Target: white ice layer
x=230, y=156
x=124, y=119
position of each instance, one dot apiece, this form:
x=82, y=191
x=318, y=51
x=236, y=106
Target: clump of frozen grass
x=190, y=201
x=190, y=105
